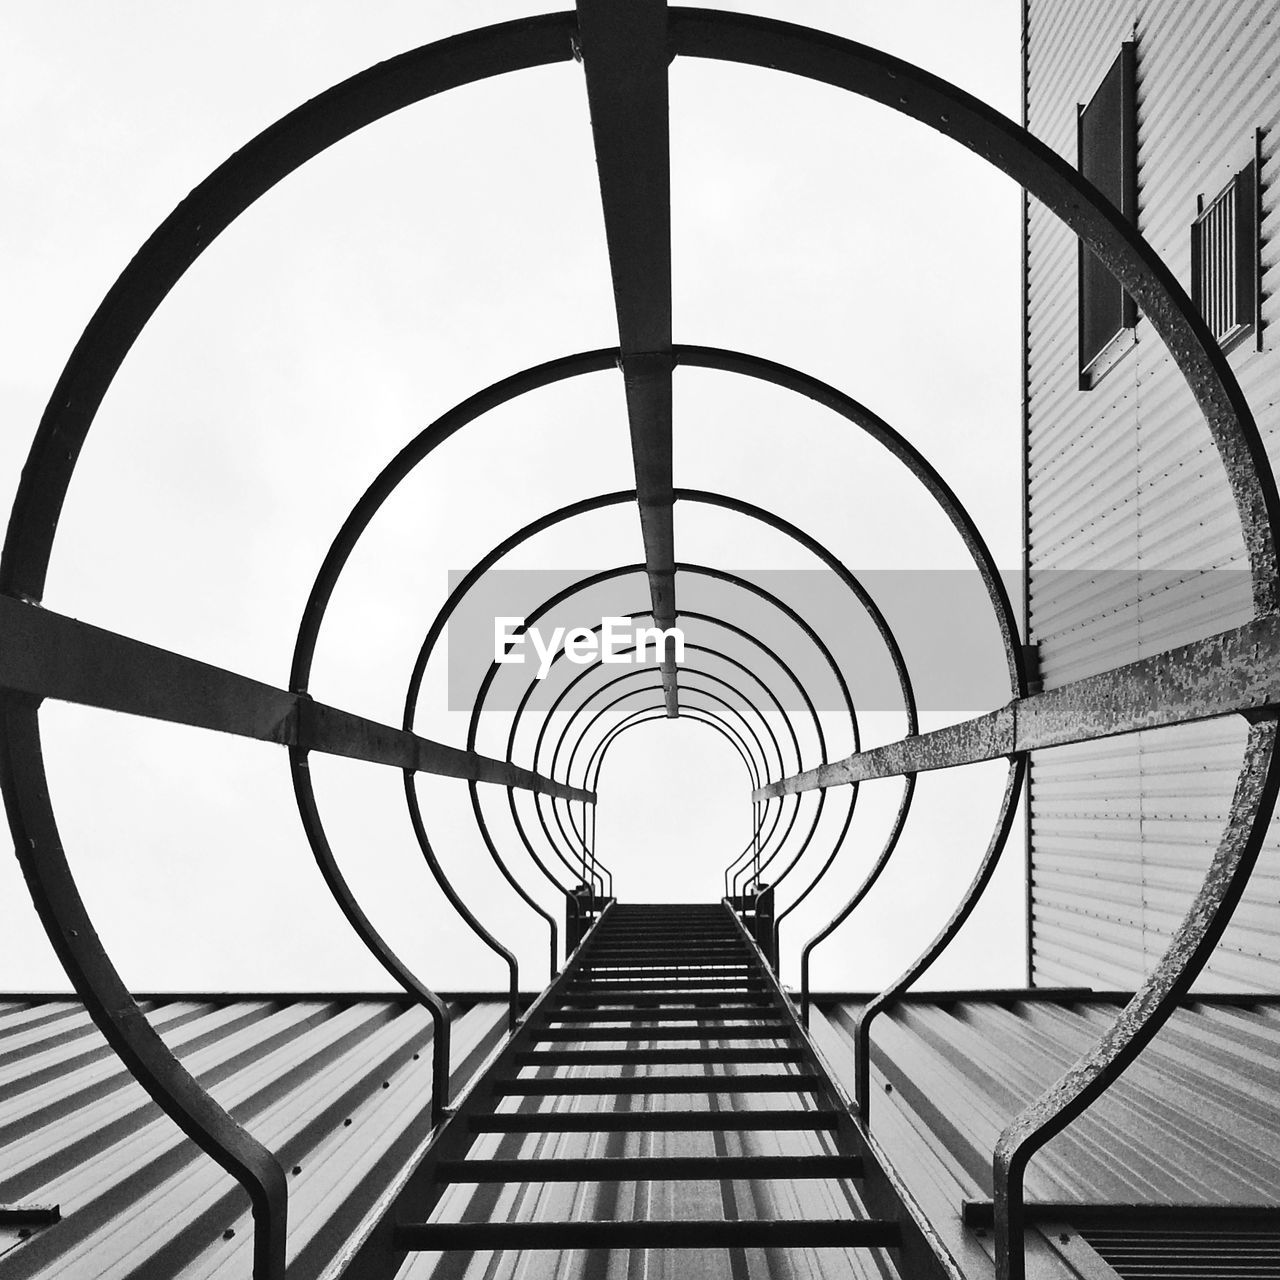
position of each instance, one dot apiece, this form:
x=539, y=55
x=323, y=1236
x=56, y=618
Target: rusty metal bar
x=1236, y=671
x=1138, y=1022
x=624, y=55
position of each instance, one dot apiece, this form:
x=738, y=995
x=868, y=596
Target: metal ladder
x=658, y=1000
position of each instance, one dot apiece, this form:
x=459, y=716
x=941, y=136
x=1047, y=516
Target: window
x=1224, y=258
x=1107, y=155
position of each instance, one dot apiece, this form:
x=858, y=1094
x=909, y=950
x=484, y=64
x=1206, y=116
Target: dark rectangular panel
x=1107, y=156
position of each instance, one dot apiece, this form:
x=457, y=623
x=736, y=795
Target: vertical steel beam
x=624, y=54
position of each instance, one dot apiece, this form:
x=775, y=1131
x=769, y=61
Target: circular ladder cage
x=625, y=53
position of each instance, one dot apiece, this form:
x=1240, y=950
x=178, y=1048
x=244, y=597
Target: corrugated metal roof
x=338, y=1088
x=1195, y=1121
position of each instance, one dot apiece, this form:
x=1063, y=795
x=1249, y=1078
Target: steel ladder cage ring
x=641, y=673
x=709, y=651
x=777, y=603
x=738, y=507
x=870, y=423
x=700, y=715
x=758, y=824
x=747, y=729
x=758, y=827
x=749, y=638
x=576, y=833
x=601, y=712
x=515, y=540
x=644, y=716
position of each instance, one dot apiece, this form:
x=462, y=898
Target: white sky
x=411, y=265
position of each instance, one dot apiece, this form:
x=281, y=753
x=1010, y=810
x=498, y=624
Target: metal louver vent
x=1224, y=259
x=1194, y=1253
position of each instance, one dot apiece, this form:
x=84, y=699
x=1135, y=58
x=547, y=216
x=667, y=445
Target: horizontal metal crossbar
x=682, y=1121
x=1234, y=671
x=649, y=1168
x=762, y=1031
x=814, y=1233
x=674, y=1057
x=580, y=1086
x=48, y=655
x=668, y=1013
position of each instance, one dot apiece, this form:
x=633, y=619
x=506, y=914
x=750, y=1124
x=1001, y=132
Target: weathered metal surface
x=1236, y=671
x=624, y=54
x=304, y=1073
x=984, y=737
x=943, y=938
x=1140, y=1020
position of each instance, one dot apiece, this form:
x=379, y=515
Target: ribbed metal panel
x=1160, y=1253
x=1195, y=1121
x=339, y=1089
x=1134, y=542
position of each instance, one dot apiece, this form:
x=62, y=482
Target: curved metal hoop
x=944, y=938
x=1150, y=1008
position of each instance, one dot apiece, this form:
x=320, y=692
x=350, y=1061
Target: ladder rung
x=649, y=1168
x=766, y=1031
x=619, y=1057
x=755, y=1082
x=652, y=998
x=686, y=939
x=670, y=968
x=705, y=1234
x=672, y=1013
x=742, y=990
x=761, y=1119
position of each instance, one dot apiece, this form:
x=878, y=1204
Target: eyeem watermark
x=615, y=641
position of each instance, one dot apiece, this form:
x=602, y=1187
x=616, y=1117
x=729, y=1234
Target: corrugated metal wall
x=339, y=1089
x=1134, y=542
